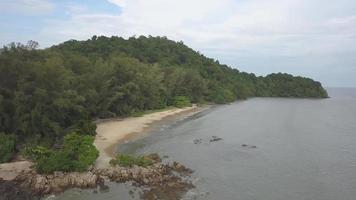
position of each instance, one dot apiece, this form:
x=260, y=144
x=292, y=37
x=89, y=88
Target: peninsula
x=50, y=99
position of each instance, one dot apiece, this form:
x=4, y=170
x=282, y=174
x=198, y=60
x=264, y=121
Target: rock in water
x=249, y=146
x=197, y=141
x=215, y=138
x=165, y=180
x=154, y=157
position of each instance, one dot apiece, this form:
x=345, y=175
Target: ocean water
x=305, y=150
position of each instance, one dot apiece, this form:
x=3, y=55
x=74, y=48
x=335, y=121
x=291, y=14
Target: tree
x=77, y=154
x=47, y=94
x=7, y=147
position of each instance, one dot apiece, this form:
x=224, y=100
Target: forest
x=50, y=97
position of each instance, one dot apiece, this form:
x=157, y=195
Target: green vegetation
x=285, y=85
x=126, y=160
x=47, y=94
x=77, y=154
x=181, y=101
x=7, y=147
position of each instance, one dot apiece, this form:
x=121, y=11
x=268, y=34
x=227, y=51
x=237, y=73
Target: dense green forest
x=49, y=93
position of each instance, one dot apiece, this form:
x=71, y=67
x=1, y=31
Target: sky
x=313, y=38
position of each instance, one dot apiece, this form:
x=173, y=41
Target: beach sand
x=113, y=132
x=8, y=171
x=110, y=133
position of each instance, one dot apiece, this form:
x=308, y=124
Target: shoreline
x=111, y=133
x=168, y=180
x=119, y=131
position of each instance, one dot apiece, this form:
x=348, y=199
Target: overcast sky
x=314, y=38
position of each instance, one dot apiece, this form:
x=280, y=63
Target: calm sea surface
x=305, y=150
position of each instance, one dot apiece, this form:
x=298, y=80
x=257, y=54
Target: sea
x=268, y=149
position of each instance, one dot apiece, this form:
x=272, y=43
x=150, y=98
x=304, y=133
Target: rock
x=46, y=184
x=164, y=180
x=249, y=146
x=145, y=172
x=154, y=156
x=180, y=168
x=215, y=138
x=197, y=141
x=135, y=172
x=58, y=174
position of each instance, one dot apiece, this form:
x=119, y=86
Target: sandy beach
x=113, y=132
x=110, y=133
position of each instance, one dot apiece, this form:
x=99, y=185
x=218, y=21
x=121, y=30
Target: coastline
x=168, y=180
x=111, y=133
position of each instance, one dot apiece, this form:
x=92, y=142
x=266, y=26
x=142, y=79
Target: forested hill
x=45, y=94
x=221, y=83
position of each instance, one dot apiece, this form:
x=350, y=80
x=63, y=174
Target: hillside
x=46, y=94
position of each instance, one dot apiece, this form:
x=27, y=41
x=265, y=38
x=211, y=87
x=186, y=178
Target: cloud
x=120, y=3
x=31, y=7
x=235, y=31
x=203, y=23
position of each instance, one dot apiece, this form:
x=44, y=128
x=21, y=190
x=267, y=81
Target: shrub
x=56, y=161
x=7, y=147
x=125, y=160
x=36, y=153
x=181, y=101
x=77, y=154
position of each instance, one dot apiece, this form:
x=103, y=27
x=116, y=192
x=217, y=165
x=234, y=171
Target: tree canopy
x=47, y=94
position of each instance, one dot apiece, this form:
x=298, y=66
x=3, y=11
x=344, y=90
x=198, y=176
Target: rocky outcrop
x=57, y=182
x=158, y=179
x=138, y=174
x=161, y=181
